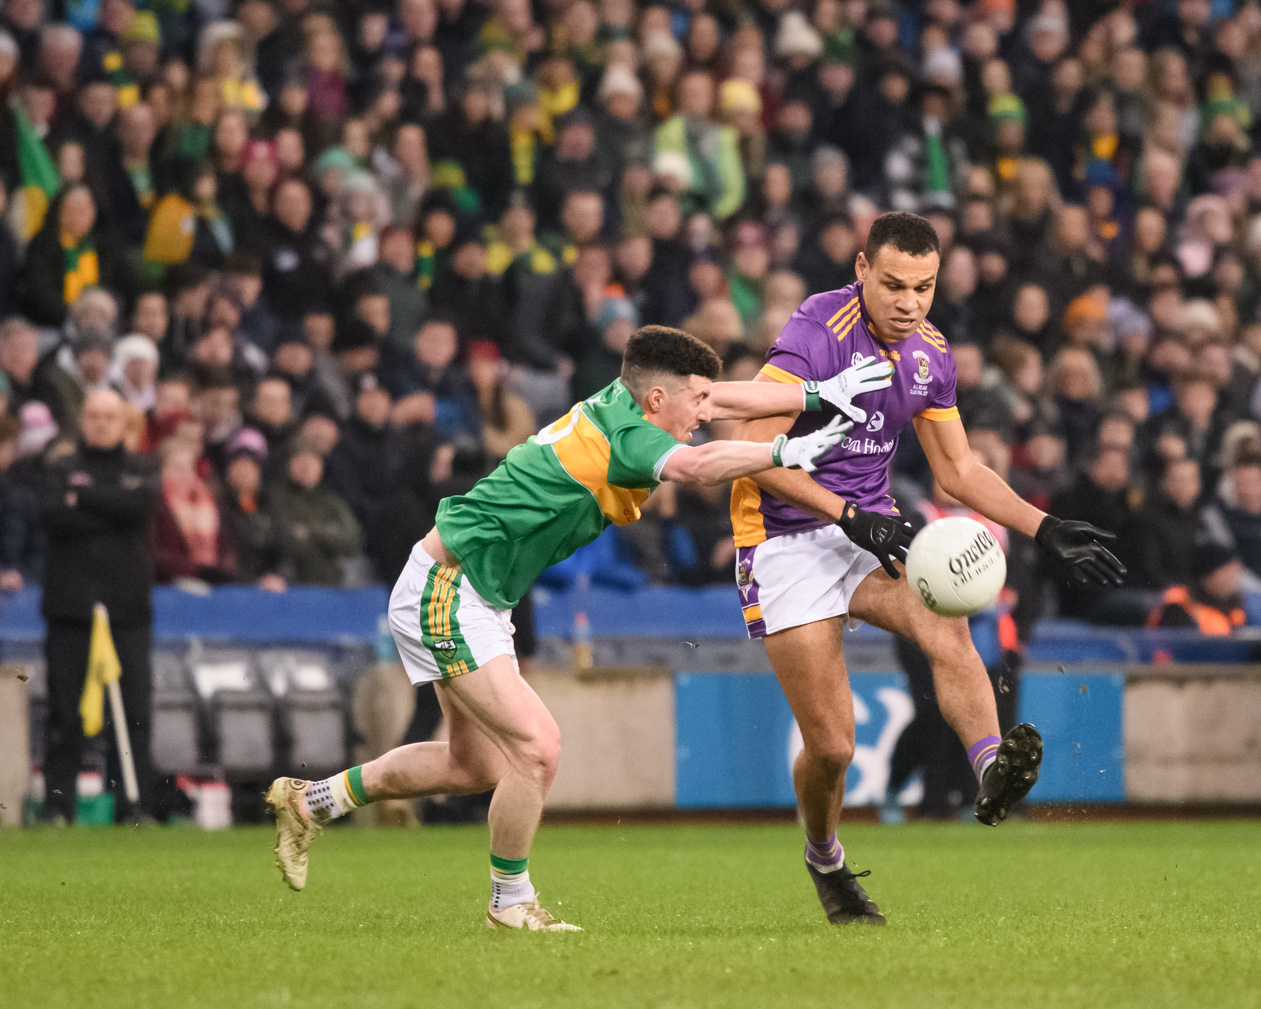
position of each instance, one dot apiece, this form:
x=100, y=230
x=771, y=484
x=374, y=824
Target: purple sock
x=982, y=754
x=825, y=855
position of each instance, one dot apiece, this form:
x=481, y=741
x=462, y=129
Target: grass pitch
x=1086, y=916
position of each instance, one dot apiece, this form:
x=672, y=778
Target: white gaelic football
x=957, y=566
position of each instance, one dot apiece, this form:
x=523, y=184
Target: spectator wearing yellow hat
x=740, y=107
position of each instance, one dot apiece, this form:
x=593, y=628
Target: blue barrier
x=736, y=738
x=305, y=614
x=339, y=616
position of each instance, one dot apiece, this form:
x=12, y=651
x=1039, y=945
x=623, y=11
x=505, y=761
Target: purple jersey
x=826, y=335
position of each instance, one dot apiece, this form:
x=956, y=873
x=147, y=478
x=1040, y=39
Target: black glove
x=886, y=536
x=1078, y=547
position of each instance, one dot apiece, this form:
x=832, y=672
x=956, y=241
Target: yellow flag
x=103, y=668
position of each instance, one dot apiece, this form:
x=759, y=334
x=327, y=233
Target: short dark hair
x=907, y=233
x=660, y=350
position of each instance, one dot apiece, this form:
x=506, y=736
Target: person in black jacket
x=95, y=509
x=298, y=271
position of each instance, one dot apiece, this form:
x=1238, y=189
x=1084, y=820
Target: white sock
x=506, y=890
x=328, y=799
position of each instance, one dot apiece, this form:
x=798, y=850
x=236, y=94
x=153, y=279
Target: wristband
x=812, y=401
x=777, y=450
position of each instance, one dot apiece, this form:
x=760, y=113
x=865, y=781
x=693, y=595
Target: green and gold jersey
x=555, y=493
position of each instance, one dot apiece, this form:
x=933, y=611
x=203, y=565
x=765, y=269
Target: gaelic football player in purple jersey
x=819, y=550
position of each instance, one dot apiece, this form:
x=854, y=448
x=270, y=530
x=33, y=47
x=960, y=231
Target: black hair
x=660, y=350
x=907, y=233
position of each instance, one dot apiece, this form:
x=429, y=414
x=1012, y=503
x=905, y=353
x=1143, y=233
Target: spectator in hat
x=245, y=518
x=141, y=44
x=572, y=165
x=622, y=133
x=318, y=532
x=926, y=164
x=356, y=348
x=76, y=368
x=599, y=365
x=740, y=107
x=1107, y=234
x=134, y=371
x=222, y=56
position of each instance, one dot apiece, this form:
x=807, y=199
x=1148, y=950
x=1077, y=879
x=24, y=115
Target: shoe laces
x=849, y=874
x=537, y=914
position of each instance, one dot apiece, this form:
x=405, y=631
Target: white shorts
x=443, y=628
x=800, y=578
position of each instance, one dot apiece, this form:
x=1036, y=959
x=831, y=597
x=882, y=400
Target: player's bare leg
x=501, y=736
x=468, y=761
x=504, y=707
x=964, y=693
x=507, y=710
x=1006, y=768
x=810, y=664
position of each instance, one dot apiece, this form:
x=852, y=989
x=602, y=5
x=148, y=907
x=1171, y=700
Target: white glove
x=869, y=375
x=804, y=452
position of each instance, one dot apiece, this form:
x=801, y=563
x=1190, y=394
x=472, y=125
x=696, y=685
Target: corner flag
x=103, y=668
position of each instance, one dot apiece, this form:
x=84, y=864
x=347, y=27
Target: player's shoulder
x=613, y=409
x=819, y=322
x=833, y=310
x=932, y=338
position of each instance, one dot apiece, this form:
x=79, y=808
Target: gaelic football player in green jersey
x=557, y=492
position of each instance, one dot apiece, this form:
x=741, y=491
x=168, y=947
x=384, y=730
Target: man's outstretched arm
x=720, y=461
x=763, y=398
x=1076, y=546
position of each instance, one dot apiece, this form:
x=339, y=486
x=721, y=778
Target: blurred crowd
x=338, y=258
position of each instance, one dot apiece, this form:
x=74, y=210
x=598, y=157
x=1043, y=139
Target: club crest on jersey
x=922, y=374
x=876, y=422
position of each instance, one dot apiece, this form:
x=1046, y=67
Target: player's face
x=684, y=406
x=897, y=290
